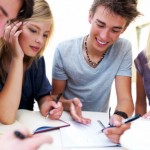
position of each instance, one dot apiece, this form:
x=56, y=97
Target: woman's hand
x=49, y=107
x=11, y=36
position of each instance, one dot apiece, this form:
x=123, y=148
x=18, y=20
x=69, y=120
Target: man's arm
x=124, y=104
x=74, y=106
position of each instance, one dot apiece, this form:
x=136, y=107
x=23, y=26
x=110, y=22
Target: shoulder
x=123, y=42
x=141, y=54
x=70, y=43
x=38, y=63
x=141, y=57
x=121, y=47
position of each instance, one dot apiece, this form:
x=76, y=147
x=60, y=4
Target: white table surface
x=57, y=142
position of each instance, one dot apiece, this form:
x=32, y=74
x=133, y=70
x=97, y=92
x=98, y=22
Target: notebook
x=34, y=122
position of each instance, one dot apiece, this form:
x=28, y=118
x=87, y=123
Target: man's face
x=8, y=10
x=106, y=28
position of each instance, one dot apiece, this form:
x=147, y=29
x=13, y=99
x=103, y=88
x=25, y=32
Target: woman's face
x=34, y=37
x=8, y=10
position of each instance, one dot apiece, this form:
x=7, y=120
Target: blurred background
x=71, y=20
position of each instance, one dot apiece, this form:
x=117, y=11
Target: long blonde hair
x=41, y=13
x=147, y=51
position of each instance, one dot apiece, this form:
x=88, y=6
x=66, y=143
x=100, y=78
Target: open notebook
x=34, y=122
x=84, y=136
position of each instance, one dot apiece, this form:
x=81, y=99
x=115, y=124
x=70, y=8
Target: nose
x=39, y=40
x=104, y=34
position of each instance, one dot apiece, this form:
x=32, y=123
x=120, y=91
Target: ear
x=90, y=17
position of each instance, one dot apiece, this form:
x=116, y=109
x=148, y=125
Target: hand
x=48, y=105
x=76, y=111
x=147, y=115
x=11, y=36
x=10, y=141
x=114, y=133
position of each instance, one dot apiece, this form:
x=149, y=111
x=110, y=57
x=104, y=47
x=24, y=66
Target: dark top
x=35, y=85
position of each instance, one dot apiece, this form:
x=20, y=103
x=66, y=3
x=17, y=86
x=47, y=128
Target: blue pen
x=130, y=119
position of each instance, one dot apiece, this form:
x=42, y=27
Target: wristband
x=121, y=113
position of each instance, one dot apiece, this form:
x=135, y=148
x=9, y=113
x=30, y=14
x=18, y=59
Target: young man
x=21, y=9
x=86, y=67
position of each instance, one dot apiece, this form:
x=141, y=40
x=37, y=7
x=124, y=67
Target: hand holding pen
x=56, y=101
x=113, y=132
x=130, y=119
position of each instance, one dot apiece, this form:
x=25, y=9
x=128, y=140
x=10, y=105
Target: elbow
x=7, y=120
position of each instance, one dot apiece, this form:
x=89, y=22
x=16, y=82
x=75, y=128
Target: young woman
x=22, y=67
x=142, y=64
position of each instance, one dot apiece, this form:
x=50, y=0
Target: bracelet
x=121, y=113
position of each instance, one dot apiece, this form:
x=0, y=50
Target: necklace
x=87, y=54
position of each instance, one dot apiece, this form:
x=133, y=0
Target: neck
x=92, y=57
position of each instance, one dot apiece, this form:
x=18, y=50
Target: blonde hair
x=147, y=51
x=41, y=13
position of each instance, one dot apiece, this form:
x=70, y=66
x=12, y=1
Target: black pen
x=57, y=99
x=19, y=135
x=130, y=119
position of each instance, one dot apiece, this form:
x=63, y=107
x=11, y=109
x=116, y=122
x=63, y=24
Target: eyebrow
x=37, y=27
x=3, y=11
x=117, y=27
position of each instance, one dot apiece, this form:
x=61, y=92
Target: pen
x=19, y=135
x=130, y=119
x=57, y=99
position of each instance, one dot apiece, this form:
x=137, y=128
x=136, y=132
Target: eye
x=45, y=35
x=100, y=25
x=116, y=31
x=32, y=30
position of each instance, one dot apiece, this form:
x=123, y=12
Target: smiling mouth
x=100, y=42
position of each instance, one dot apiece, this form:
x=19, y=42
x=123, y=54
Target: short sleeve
x=41, y=85
x=139, y=62
x=58, y=72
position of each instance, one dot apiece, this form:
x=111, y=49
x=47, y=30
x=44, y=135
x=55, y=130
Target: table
x=57, y=143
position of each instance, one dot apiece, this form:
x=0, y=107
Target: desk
x=57, y=143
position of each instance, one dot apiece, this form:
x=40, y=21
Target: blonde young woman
x=22, y=67
x=142, y=64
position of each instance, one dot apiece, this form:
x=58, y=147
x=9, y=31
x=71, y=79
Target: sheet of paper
x=79, y=135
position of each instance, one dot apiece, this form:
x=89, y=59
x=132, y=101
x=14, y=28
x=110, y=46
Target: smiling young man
x=21, y=9
x=86, y=67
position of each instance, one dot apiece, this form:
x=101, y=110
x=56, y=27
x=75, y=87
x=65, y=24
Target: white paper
x=79, y=135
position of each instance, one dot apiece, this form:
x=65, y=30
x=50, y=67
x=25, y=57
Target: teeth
x=101, y=42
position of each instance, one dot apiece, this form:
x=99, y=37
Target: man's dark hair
x=125, y=8
x=27, y=9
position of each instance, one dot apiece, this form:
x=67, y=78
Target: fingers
x=147, y=115
x=76, y=112
x=12, y=31
x=37, y=140
x=114, y=133
x=56, y=110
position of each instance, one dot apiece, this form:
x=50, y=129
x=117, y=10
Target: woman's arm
x=10, y=95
